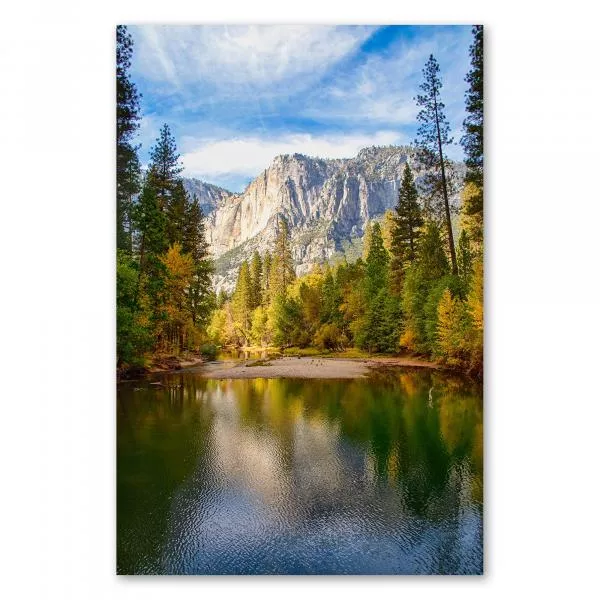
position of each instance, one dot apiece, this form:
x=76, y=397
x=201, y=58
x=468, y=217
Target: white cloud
x=381, y=90
x=249, y=156
x=260, y=56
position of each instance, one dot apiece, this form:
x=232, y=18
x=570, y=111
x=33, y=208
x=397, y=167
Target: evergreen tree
x=426, y=279
x=176, y=209
x=405, y=233
x=133, y=338
x=256, y=273
x=200, y=297
x=164, y=167
x=472, y=143
x=367, y=239
x=472, y=140
x=388, y=224
x=282, y=265
x=266, y=279
x=151, y=223
x=408, y=220
x=331, y=299
x=376, y=263
x=128, y=117
x=432, y=136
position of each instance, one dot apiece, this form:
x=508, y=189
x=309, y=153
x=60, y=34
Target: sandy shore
x=304, y=368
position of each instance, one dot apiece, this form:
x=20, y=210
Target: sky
x=237, y=96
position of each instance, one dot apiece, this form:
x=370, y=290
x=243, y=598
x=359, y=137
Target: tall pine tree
x=164, y=168
x=256, y=273
x=472, y=140
x=200, y=296
x=128, y=117
x=432, y=135
x=282, y=265
x=406, y=230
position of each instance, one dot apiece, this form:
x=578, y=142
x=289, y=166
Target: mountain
x=208, y=194
x=327, y=204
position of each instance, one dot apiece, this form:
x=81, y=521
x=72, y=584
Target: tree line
x=414, y=289
x=164, y=289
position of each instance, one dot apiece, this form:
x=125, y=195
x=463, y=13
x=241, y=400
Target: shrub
x=208, y=351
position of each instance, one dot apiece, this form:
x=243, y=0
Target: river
x=381, y=475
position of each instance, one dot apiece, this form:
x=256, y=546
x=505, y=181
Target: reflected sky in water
x=380, y=475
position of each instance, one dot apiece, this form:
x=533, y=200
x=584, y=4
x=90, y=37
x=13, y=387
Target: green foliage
x=242, y=301
x=472, y=140
x=408, y=219
x=411, y=289
x=282, y=263
x=330, y=337
x=259, y=329
x=256, y=275
x=128, y=117
x=376, y=263
x=133, y=339
x=432, y=135
x=209, y=351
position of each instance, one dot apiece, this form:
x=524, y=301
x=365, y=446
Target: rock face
x=208, y=194
x=326, y=203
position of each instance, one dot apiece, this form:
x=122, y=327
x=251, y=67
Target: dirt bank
x=304, y=368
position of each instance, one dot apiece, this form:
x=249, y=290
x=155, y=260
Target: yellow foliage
x=450, y=338
x=408, y=339
x=472, y=215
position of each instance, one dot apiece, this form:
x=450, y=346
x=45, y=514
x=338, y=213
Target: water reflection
x=297, y=476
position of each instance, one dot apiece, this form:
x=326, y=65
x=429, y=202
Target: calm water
x=376, y=476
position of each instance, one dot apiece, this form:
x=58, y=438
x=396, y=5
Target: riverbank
x=160, y=364
x=306, y=367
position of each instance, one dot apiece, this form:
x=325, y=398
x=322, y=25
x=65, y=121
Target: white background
x=57, y=298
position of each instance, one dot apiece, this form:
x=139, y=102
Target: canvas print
x=299, y=300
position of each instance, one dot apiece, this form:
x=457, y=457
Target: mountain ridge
x=327, y=204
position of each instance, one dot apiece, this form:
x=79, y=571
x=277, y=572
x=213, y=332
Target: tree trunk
x=445, y=192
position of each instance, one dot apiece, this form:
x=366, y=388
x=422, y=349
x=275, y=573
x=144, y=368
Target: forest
x=417, y=288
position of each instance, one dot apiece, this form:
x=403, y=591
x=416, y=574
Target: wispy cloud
x=233, y=57
x=235, y=96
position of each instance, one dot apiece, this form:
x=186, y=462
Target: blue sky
x=236, y=96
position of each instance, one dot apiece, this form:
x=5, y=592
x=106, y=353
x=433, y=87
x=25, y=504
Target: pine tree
x=472, y=143
x=405, y=233
x=256, y=273
x=432, y=259
x=472, y=140
x=128, y=117
x=432, y=136
x=164, y=167
x=367, y=239
x=266, y=279
x=408, y=220
x=376, y=263
x=151, y=223
x=200, y=296
x=282, y=265
x=176, y=208
x=425, y=281
x=331, y=299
